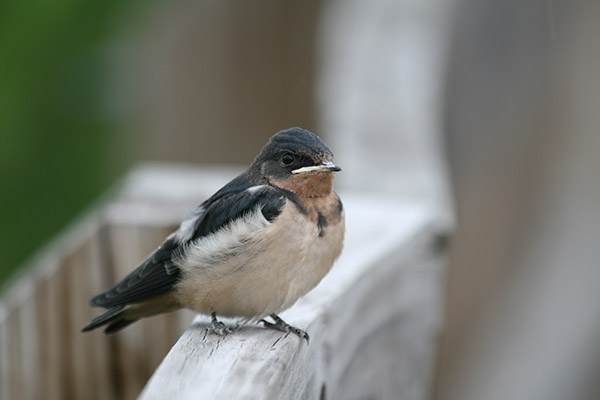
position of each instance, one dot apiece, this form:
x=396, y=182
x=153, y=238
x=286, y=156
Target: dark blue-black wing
x=234, y=201
x=155, y=276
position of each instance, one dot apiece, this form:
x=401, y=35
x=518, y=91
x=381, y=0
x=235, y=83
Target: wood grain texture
x=377, y=311
x=91, y=354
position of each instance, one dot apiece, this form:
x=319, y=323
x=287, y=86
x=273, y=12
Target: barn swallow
x=250, y=251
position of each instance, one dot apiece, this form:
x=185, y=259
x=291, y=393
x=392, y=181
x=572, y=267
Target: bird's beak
x=325, y=166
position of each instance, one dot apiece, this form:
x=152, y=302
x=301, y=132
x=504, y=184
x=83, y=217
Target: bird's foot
x=283, y=326
x=217, y=327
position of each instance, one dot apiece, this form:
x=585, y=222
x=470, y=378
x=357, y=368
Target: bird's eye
x=287, y=158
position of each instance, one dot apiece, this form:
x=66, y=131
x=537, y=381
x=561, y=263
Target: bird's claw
x=283, y=326
x=217, y=327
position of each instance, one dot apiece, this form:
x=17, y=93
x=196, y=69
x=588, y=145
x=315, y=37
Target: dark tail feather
x=118, y=325
x=113, y=317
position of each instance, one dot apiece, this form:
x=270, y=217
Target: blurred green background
x=59, y=144
x=89, y=89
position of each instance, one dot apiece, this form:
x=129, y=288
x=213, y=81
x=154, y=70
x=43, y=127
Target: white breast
x=254, y=268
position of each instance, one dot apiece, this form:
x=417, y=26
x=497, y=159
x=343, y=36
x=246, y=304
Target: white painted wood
x=382, y=296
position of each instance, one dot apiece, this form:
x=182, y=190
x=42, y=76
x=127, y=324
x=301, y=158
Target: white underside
x=253, y=268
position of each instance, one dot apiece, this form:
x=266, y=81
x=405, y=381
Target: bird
x=250, y=251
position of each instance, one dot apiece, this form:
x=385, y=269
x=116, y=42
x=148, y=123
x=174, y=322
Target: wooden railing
x=374, y=320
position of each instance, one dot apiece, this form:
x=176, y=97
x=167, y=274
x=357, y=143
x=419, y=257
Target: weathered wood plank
x=55, y=306
x=130, y=372
x=4, y=360
x=29, y=345
x=36, y=321
x=91, y=354
x=15, y=377
x=387, y=282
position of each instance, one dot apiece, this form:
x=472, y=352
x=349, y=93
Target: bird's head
x=297, y=160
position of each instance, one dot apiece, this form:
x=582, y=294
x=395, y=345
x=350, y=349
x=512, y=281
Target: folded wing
x=159, y=273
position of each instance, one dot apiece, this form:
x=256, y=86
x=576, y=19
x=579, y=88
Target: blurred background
x=492, y=105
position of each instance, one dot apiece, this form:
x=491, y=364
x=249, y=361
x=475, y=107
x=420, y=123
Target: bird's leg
x=283, y=326
x=217, y=327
